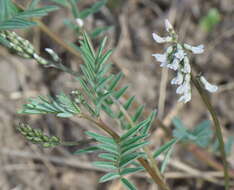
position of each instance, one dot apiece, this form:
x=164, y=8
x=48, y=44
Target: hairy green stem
x=218, y=130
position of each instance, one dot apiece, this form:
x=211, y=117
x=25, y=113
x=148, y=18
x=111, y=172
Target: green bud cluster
x=79, y=99
x=37, y=137
x=21, y=46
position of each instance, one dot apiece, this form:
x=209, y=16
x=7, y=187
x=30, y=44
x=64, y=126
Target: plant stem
x=152, y=161
x=157, y=179
x=101, y=125
x=218, y=130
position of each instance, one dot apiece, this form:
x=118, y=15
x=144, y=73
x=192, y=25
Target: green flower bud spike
x=37, y=137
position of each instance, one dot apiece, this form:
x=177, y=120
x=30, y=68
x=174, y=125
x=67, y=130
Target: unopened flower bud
x=80, y=22
x=208, y=86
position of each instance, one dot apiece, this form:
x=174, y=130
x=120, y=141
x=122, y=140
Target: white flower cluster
x=176, y=58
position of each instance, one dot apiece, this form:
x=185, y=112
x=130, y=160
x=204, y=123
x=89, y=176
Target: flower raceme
x=176, y=58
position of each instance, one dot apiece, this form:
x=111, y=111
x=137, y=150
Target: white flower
x=160, y=57
x=80, y=22
x=160, y=39
x=195, y=49
x=187, y=78
x=36, y=56
x=185, y=87
x=174, y=65
x=52, y=54
x=209, y=87
x=186, y=97
x=178, y=79
x=187, y=67
x=168, y=25
x=180, y=54
x=179, y=47
x=39, y=59
x=50, y=51
x=169, y=50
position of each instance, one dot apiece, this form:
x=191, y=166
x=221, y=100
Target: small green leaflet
x=7, y=10
x=109, y=176
x=163, y=148
x=167, y=157
x=13, y=18
x=93, y=9
x=201, y=134
x=61, y=105
x=209, y=21
x=87, y=150
x=128, y=184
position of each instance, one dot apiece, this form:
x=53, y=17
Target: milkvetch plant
x=176, y=58
x=126, y=152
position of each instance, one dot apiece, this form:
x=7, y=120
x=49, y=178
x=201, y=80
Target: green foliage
x=164, y=148
x=83, y=14
x=90, y=149
x=101, y=90
x=62, y=106
x=200, y=135
x=228, y=145
x=37, y=137
x=12, y=17
x=167, y=148
x=7, y=9
x=19, y=46
x=93, y=9
x=209, y=21
x=94, y=69
x=119, y=154
x=99, y=30
x=128, y=184
x=167, y=157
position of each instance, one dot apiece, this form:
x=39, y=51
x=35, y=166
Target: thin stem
x=102, y=125
x=218, y=130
